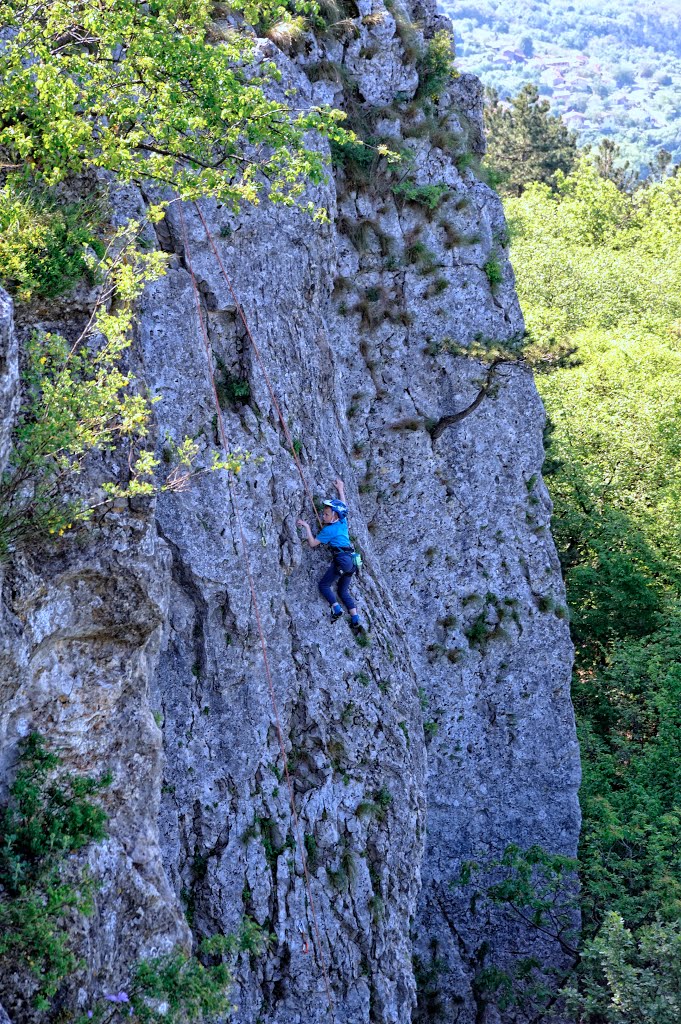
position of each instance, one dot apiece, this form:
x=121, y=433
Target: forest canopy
x=612, y=70
x=600, y=268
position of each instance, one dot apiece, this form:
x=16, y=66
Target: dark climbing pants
x=336, y=573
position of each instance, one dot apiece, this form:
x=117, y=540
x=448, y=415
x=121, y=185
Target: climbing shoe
x=356, y=626
x=336, y=612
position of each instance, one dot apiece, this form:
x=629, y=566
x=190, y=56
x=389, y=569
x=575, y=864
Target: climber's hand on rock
x=340, y=487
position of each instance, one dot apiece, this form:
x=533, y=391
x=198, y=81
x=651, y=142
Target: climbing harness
x=256, y=608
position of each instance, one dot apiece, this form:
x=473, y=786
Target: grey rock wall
x=9, y=375
x=135, y=647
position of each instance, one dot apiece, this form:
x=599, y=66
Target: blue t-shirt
x=335, y=535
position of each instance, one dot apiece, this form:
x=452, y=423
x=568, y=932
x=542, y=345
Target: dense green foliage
x=526, y=143
x=614, y=70
x=44, y=244
x=601, y=268
x=50, y=814
x=179, y=988
x=136, y=89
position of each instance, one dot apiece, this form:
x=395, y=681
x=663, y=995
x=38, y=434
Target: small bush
x=430, y=730
x=311, y=850
x=355, y=158
x=232, y=390
x=436, y=287
x=377, y=908
x=436, y=67
x=383, y=798
x=43, y=245
x=180, y=989
x=422, y=257
x=478, y=631
x=286, y=32
x=429, y=196
x=493, y=271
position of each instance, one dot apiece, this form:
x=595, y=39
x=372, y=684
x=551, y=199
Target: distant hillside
x=610, y=69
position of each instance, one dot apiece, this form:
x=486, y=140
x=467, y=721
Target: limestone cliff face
x=136, y=648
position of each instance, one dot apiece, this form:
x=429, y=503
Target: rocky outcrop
x=138, y=650
x=9, y=376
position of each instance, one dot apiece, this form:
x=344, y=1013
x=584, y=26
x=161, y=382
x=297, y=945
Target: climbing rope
x=244, y=548
x=265, y=374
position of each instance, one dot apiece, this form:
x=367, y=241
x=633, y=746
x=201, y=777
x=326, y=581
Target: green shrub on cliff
x=50, y=815
x=436, y=66
x=44, y=245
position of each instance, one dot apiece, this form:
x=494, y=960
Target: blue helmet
x=339, y=507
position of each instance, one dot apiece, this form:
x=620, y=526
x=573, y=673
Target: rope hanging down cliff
x=244, y=548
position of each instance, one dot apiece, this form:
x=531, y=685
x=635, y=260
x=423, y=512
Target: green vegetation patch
x=50, y=814
x=429, y=196
x=598, y=268
x=46, y=247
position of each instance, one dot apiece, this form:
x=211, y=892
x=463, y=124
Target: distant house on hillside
x=573, y=119
x=513, y=56
x=552, y=78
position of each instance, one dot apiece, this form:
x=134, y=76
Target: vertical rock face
x=9, y=375
x=139, y=650
x=347, y=713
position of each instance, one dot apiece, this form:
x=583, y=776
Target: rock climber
x=334, y=534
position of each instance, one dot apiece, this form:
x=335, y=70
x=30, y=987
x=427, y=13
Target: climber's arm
x=312, y=541
x=340, y=487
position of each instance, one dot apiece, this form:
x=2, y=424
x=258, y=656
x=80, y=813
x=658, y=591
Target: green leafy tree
x=609, y=164
x=627, y=976
x=525, y=142
x=600, y=269
x=46, y=246
x=436, y=65
x=137, y=89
